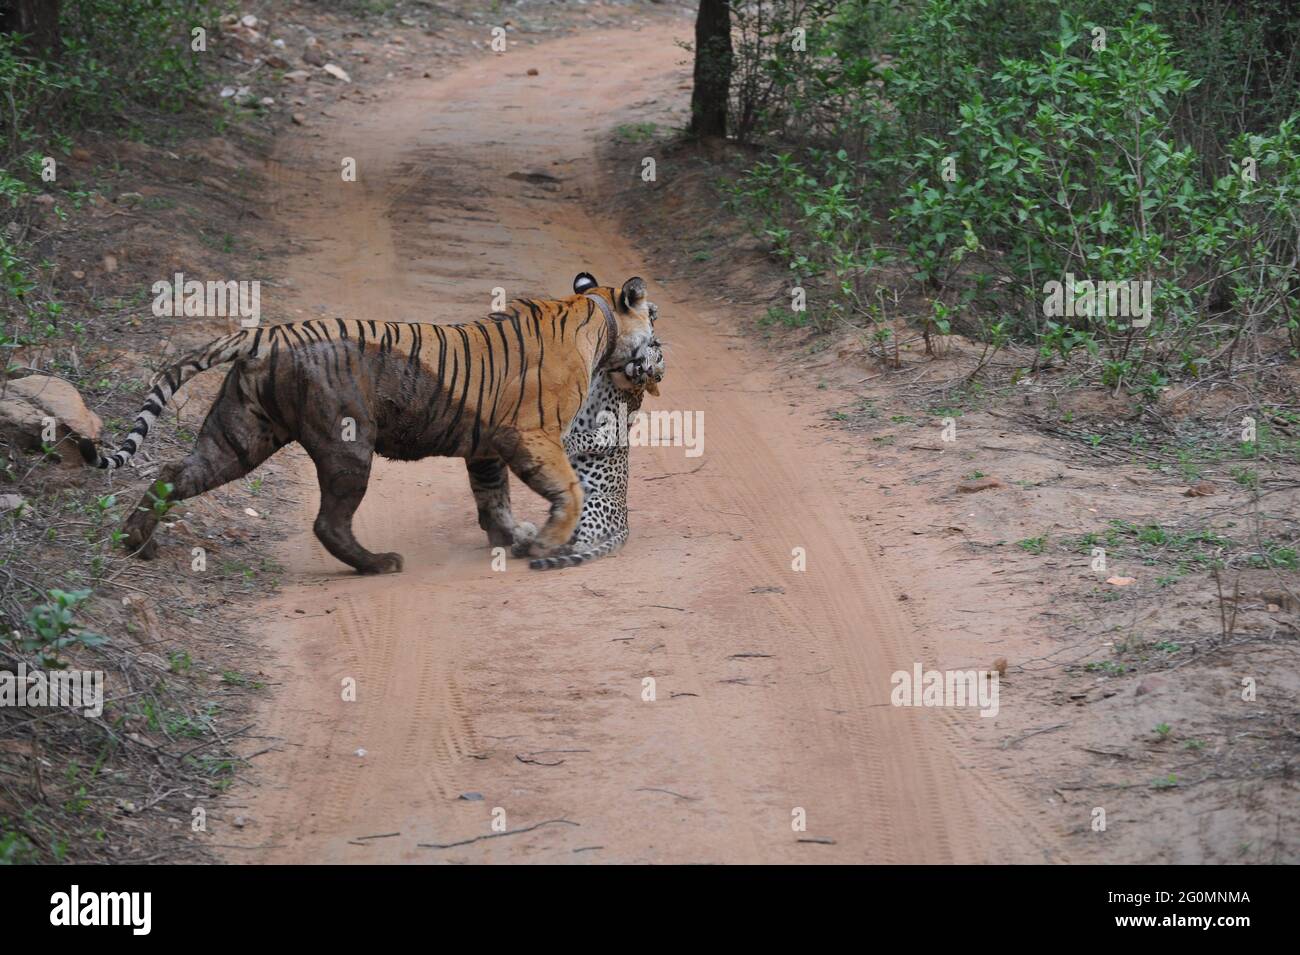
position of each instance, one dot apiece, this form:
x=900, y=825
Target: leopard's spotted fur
x=599, y=455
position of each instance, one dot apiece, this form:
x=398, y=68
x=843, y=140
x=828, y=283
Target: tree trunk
x=713, y=61
x=38, y=20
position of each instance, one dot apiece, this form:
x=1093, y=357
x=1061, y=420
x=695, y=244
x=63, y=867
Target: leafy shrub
x=1007, y=158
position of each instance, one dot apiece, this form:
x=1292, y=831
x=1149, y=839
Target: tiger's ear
x=633, y=293
x=582, y=282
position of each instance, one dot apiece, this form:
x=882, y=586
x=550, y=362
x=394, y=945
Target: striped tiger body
x=500, y=393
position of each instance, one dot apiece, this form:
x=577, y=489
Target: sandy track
x=772, y=686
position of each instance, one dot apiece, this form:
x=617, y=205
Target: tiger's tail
x=600, y=549
x=223, y=350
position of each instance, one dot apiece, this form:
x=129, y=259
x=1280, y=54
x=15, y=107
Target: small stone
x=1149, y=684
x=299, y=119
x=1201, y=489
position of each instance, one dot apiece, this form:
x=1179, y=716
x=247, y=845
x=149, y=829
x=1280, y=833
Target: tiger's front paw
x=536, y=549
x=524, y=546
x=522, y=536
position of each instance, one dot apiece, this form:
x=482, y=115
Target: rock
x=299, y=119
x=28, y=402
x=1121, y=581
x=248, y=20
x=1201, y=489
x=979, y=484
x=1278, y=600
x=227, y=92
x=44, y=199
x=110, y=263
x=11, y=502
x=267, y=101
x=78, y=274
x=337, y=72
x=1149, y=684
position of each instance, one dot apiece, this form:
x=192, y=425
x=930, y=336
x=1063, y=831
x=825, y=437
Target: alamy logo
x=191, y=298
x=1084, y=298
x=76, y=689
x=946, y=688
x=652, y=429
x=103, y=908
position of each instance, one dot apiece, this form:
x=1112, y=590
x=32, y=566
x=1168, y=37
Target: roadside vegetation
x=964, y=153
x=89, y=87
x=899, y=184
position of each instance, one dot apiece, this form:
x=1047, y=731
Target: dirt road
x=478, y=690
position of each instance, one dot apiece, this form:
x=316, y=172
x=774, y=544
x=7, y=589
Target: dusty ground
x=479, y=690
x=1126, y=683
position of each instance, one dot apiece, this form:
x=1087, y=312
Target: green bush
x=1007, y=158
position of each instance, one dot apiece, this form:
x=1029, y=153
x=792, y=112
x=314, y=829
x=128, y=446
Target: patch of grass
x=636, y=132
x=1033, y=545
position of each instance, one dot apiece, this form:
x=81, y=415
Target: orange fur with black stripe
x=500, y=393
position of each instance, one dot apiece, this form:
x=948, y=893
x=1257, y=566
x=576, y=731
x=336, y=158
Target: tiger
x=499, y=393
x=598, y=455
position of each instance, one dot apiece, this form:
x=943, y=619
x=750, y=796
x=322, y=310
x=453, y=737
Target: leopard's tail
x=602, y=548
x=223, y=350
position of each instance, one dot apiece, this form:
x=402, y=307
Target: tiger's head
x=638, y=358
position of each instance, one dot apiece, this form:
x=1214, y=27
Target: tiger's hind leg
x=489, y=480
x=235, y=438
x=343, y=471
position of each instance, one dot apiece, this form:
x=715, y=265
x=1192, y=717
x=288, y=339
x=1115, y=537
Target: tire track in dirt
x=524, y=688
